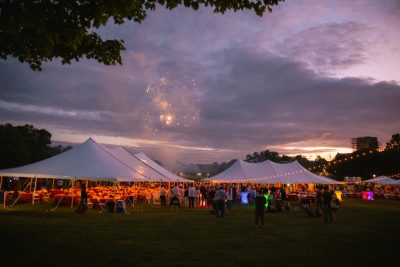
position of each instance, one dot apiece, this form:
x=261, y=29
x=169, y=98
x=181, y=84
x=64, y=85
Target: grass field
x=365, y=234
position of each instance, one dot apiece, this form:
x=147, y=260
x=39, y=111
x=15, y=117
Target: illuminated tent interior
x=87, y=161
x=383, y=180
x=154, y=165
x=270, y=173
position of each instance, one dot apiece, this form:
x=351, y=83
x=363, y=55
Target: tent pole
x=59, y=200
x=34, y=190
x=1, y=181
x=52, y=186
x=30, y=185
x=16, y=200
x=72, y=196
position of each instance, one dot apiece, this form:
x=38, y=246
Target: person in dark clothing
x=318, y=202
x=260, y=206
x=83, y=204
x=211, y=202
x=283, y=195
x=327, y=199
x=83, y=195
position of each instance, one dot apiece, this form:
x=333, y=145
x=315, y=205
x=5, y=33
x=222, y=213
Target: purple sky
x=201, y=87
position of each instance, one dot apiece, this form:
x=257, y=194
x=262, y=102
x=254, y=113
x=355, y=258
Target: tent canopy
x=88, y=161
x=383, y=180
x=271, y=173
x=155, y=166
x=134, y=163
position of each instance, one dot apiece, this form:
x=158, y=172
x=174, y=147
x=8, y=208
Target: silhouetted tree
x=20, y=145
x=36, y=31
x=393, y=143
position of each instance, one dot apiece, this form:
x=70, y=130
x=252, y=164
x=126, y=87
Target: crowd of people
x=325, y=203
x=219, y=199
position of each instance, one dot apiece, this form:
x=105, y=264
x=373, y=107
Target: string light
x=340, y=160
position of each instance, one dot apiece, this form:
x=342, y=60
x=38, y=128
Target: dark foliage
x=21, y=145
x=36, y=31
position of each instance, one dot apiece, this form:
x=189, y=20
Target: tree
x=36, y=31
x=21, y=145
x=393, y=143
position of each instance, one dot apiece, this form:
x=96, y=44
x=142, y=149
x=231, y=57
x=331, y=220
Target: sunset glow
x=218, y=87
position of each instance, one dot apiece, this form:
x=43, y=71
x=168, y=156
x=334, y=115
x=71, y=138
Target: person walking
x=327, y=200
x=260, y=201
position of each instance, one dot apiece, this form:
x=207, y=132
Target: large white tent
x=127, y=158
x=87, y=161
x=151, y=163
x=383, y=180
x=269, y=172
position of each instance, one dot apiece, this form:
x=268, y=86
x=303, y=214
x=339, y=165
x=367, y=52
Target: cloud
x=330, y=46
x=270, y=100
x=231, y=85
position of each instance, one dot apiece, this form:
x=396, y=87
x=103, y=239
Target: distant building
x=365, y=143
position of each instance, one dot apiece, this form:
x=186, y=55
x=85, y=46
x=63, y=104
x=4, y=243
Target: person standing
x=229, y=197
x=260, y=207
x=220, y=197
x=278, y=200
x=173, y=197
x=327, y=199
x=163, y=196
x=60, y=184
x=334, y=205
x=210, y=197
x=196, y=197
x=83, y=204
x=191, y=195
x=318, y=202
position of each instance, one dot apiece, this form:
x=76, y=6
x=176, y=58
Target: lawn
x=365, y=234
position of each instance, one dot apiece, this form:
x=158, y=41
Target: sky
x=202, y=87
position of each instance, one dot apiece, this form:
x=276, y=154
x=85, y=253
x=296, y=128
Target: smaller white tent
x=87, y=161
x=134, y=163
x=383, y=180
x=271, y=173
x=151, y=163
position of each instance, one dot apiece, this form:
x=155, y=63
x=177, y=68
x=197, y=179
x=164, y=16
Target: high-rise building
x=365, y=143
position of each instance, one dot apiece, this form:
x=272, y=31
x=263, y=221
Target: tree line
x=361, y=163
x=21, y=145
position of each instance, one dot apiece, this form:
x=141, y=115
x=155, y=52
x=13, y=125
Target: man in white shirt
x=220, y=197
x=173, y=197
x=191, y=195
